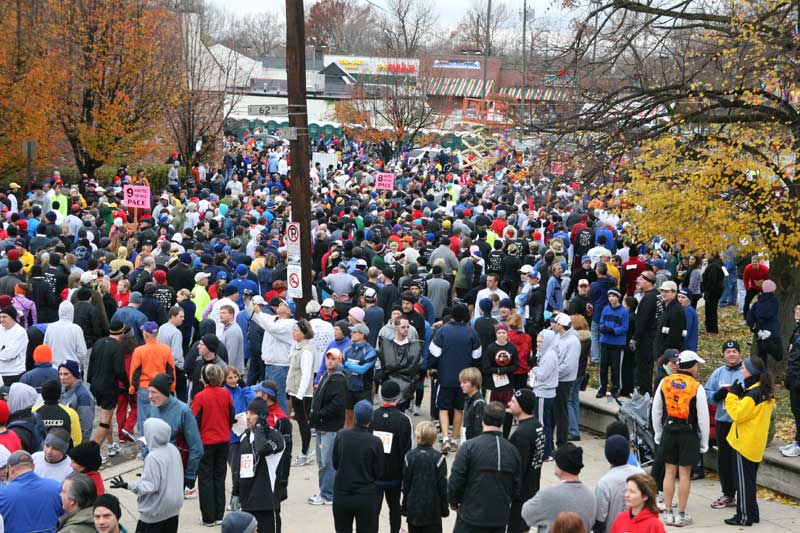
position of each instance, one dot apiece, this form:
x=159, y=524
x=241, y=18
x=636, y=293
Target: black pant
x=794, y=400
x=10, y=380
x=748, y=297
x=627, y=369
x=561, y=412
x=610, y=356
x=170, y=525
x=712, y=304
x=515, y=522
x=363, y=508
x=393, y=501
x=268, y=521
x=211, y=481
x=424, y=529
x=301, y=409
x=234, y=461
x=746, y=503
x=181, y=388
x=643, y=373
x=658, y=469
x=725, y=456
x=462, y=527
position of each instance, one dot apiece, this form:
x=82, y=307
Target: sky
x=450, y=11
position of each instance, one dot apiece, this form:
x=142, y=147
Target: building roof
x=458, y=87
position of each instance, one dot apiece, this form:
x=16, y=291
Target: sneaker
x=299, y=460
x=417, y=410
x=189, y=494
x=218, y=523
x=316, y=499
x=309, y=458
x=786, y=446
x=113, y=449
x=792, y=451
x=723, y=502
x=104, y=459
x=600, y=393
x=683, y=519
x=127, y=435
x=669, y=518
x=445, y=449
x=548, y=459
x=209, y=524
x=454, y=445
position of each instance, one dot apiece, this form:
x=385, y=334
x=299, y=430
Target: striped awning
x=458, y=87
x=551, y=94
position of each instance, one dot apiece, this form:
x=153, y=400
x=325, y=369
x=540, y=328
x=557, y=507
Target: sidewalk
x=299, y=517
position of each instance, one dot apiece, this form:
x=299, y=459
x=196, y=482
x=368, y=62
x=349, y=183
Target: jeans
x=729, y=293
x=142, y=409
x=740, y=294
x=595, y=331
x=325, y=468
x=574, y=408
x=278, y=375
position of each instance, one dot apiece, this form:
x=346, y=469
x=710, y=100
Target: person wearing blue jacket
x=598, y=296
x=762, y=318
x=29, y=502
x=341, y=341
x=613, y=332
x=241, y=396
x=716, y=389
x=182, y=421
x=691, y=334
x=358, y=364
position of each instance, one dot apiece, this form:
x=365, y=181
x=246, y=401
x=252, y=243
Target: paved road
x=299, y=517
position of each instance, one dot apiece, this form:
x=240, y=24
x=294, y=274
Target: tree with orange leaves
x=116, y=75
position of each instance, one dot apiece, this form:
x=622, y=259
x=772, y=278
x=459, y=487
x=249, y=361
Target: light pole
x=487, y=46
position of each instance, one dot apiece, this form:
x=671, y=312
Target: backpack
x=37, y=431
x=264, y=279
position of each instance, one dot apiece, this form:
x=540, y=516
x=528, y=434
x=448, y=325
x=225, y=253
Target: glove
x=632, y=345
x=720, y=395
x=737, y=388
x=118, y=483
x=606, y=330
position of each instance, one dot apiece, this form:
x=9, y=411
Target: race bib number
x=386, y=440
x=246, y=466
x=500, y=380
x=724, y=271
x=630, y=267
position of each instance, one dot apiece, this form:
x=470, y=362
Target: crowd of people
x=493, y=291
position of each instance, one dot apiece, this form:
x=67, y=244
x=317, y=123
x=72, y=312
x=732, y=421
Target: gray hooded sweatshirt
x=546, y=373
x=160, y=489
x=568, y=348
x=64, y=337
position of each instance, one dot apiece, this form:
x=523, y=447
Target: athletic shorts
x=680, y=448
x=106, y=400
x=450, y=398
x=355, y=397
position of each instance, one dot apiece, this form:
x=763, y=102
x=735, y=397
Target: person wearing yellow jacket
x=750, y=406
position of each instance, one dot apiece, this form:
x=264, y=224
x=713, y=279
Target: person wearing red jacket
x=633, y=267
x=213, y=408
x=755, y=274
x=641, y=516
x=524, y=345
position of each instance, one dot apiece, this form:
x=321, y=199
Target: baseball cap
x=201, y=275
x=328, y=302
x=258, y=300
x=586, y=258
x=266, y=390
x=671, y=355
x=525, y=269
x=727, y=345
x=359, y=328
x=361, y=263
x=88, y=277
x=535, y=274
x=149, y=327
x=563, y=319
x=19, y=457
x=583, y=283
x=688, y=356
x=669, y=286
x=370, y=294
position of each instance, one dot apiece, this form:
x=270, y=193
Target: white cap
x=525, y=269
x=687, y=356
x=258, y=300
x=361, y=262
x=4, y=455
x=328, y=302
x=563, y=319
x=88, y=277
x=201, y=275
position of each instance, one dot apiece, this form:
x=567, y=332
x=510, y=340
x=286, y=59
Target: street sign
x=294, y=278
x=277, y=110
x=136, y=196
x=293, y=239
x=385, y=181
x=29, y=149
x=290, y=134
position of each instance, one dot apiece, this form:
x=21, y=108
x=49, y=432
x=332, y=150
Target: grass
x=709, y=348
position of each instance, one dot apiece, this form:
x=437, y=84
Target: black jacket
x=669, y=330
x=392, y=421
x=713, y=279
x=645, y=328
x=529, y=441
x=792, y=379
x=484, y=325
x=181, y=277
x=255, y=493
x=399, y=363
x=484, y=479
x=425, y=487
x=535, y=303
x=358, y=460
x=107, y=367
x=42, y=295
x=328, y=404
x=87, y=317
x=473, y=415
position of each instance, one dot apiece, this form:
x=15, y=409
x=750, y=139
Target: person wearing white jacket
x=544, y=382
x=65, y=338
x=300, y=385
x=13, y=346
x=277, y=344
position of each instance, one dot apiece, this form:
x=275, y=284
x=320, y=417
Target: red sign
x=385, y=181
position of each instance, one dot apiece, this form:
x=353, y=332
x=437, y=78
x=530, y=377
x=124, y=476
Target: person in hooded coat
x=65, y=338
x=23, y=421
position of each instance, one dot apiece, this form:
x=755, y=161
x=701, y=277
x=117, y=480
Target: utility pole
x=298, y=119
x=486, y=46
x=524, y=54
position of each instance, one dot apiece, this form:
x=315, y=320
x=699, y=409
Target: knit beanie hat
x=526, y=400
x=43, y=354
x=5, y=413
x=110, y=502
x=258, y=406
x=211, y=341
x=617, y=450
x=239, y=522
x=363, y=413
x=51, y=391
x=485, y=305
x=343, y=325
x=569, y=458
x=162, y=383
x=87, y=454
x=390, y=391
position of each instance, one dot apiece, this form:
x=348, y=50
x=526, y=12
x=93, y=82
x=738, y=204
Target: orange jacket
x=150, y=360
